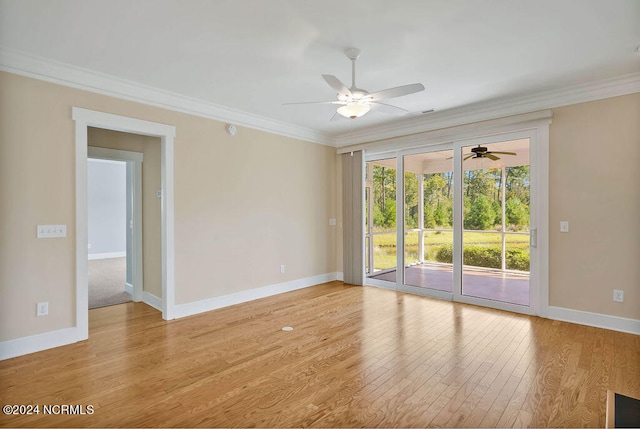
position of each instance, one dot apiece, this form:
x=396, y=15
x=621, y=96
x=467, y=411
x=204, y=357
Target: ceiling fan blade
x=336, y=84
x=504, y=153
x=398, y=91
x=314, y=102
x=468, y=156
x=490, y=156
x=388, y=108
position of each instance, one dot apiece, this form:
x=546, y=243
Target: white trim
x=110, y=255
x=114, y=154
x=105, y=161
x=183, y=310
x=622, y=85
x=167, y=222
x=76, y=77
x=540, y=157
x=39, y=342
x=128, y=288
x=82, y=233
x=400, y=202
x=597, y=320
x=498, y=305
x=85, y=118
x=152, y=300
x=429, y=293
x=382, y=284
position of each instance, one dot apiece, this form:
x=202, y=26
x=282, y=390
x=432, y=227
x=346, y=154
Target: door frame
x=85, y=118
x=534, y=126
x=134, y=169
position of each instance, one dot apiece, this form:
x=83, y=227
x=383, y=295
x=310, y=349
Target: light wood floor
x=356, y=357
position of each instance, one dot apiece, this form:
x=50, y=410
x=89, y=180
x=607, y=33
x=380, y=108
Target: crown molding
x=494, y=109
x=76, y=77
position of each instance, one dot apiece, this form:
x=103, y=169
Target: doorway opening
x=109, y=240
x=115, y=221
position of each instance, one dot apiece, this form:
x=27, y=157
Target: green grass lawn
x=384, y=245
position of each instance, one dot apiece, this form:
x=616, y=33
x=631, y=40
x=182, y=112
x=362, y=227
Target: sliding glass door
x=461, y=215
x=496, y=218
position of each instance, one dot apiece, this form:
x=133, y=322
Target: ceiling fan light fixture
x=354, y=110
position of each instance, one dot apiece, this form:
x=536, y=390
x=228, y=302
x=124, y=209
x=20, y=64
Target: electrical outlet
x=282, y=269
x=618, y=295
x=42, y=309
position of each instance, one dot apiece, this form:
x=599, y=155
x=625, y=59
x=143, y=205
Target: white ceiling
x=251, y=56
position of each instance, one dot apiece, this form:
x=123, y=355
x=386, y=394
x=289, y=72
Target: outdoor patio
x=481, y=283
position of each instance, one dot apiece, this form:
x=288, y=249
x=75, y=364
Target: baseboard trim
x=128, y=288
x=184, y=310
x=622, y=324
x=36, y=343
x=152, y=300
x=94, y=256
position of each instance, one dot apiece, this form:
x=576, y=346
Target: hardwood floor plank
x=357, y=357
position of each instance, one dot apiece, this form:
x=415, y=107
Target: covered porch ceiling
x=441, y=162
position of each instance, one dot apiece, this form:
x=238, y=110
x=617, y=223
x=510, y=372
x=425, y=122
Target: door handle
x=533, y=237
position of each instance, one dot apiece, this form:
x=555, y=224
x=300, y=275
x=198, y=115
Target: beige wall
x=151, y=208
x=243, y=205
x=594, y=176
x=246, y=204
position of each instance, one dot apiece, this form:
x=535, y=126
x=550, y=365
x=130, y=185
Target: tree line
x=482, y=198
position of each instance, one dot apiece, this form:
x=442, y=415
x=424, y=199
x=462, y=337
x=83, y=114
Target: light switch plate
x=564, y=226
x=51, y=231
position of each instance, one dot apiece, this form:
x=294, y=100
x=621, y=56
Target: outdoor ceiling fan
x=356, y=102
x=482, y=152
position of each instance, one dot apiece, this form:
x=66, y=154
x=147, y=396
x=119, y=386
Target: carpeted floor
x=107, y=278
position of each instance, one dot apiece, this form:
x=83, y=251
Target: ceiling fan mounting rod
x=353, y=54
x=353, y=74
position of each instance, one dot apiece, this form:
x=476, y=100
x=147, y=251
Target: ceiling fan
x=356, y=102
x=482, y=152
